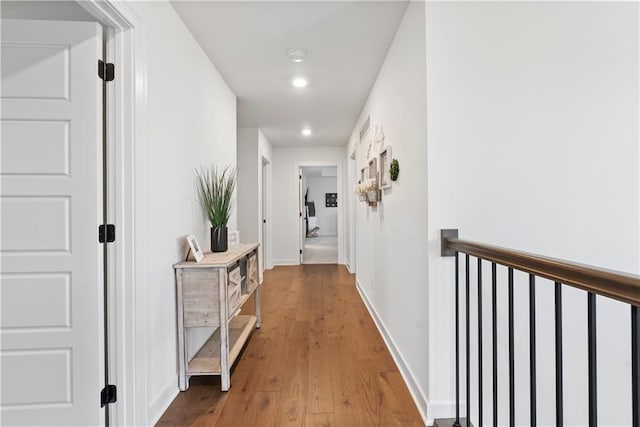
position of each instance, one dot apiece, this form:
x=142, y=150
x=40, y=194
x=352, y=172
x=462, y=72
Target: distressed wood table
x=210, y=294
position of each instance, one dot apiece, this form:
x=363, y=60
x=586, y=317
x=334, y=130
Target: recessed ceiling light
x=299, y=82
x=306, y=131
x=296, y=54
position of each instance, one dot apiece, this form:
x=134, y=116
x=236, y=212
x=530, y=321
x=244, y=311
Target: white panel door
x=303, y=214
x=52, y=363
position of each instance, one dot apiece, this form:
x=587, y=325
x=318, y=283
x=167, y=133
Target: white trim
x=414, y=389
x=265, y=163
x=341, y=205
x=443, y=409
x=287, y=261
x=352, y=166
x=163, y=399
x=349, y=268
x=126, y=49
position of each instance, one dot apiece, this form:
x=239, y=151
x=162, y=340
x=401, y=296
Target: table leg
x=225, y=374
x=256, y=299
x=183, y=383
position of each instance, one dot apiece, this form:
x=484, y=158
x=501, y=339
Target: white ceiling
x=45, y=10
x=346, y=43
x=320, y=171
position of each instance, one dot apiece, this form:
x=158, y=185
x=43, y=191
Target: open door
x=52, y=331
x=302, y=213
x=264, y=203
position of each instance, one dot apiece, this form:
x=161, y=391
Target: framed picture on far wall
x=385, y=166
x=331, y=200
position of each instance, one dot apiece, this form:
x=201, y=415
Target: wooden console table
x=210, y=294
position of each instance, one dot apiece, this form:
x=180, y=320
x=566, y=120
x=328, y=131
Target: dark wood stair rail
x=595, y=281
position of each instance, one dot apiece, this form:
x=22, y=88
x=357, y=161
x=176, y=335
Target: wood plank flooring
x=318, y=360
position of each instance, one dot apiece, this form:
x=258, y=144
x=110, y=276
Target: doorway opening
x=126, y=352
x=265, y=195
x=319, y=195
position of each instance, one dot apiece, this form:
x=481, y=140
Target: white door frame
x=351, y=214
x=265, y=212
x=341, y=204
x=126, y=146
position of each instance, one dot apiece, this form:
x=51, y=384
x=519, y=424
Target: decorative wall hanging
x=395, y=170
x=385, y=167
x=368, y=191
x=375, y=142
x=331, y=200
x=373, y=168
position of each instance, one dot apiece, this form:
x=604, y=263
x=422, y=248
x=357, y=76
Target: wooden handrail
x=613, y=284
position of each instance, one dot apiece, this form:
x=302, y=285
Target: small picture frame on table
x=385, y=166
x=194, y=248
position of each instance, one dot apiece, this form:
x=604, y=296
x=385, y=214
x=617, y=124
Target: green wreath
x=394, y=170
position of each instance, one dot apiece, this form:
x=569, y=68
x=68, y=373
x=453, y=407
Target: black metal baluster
x=559, y=391
x=468, y=343
x=479, y=342
x=512, y=365
x=593, y=372
x=635, y=364
x=494, y=320
x=457, y=422
x=532, y=347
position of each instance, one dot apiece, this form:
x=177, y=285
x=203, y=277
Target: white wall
x=286, y=230
x=533, y=144
x=253, y=147
x=327, y=217
x=391, y=240
x=190, y=122
x=248, y=173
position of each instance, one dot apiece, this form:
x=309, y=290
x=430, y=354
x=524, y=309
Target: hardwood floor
x=318, y=360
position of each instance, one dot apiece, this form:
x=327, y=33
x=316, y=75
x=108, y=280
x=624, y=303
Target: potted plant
x=215, y=191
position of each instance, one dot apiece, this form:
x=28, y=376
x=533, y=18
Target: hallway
x=321, y=250
x=317, y=360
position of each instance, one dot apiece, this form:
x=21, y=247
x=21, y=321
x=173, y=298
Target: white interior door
x=302, y=213
x=52, y=363
x=264, y=195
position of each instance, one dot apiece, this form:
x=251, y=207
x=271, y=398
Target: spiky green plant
x=215, y=191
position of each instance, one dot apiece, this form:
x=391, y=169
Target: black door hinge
x=300, y=251
x=300, y=214
x=299, y=176
x=106, y=233
x=108, y=395
x=105, y=70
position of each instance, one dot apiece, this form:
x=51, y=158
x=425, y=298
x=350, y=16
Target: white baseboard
x=349, y=269
x=286, y=262
x=409, y=379
x=162, y=400
x=442, y=409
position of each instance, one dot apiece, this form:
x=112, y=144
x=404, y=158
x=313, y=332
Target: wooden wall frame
x=385, y=165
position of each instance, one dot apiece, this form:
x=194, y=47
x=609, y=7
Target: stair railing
x=595, y=281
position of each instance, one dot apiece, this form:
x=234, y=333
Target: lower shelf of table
x=207, y=360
